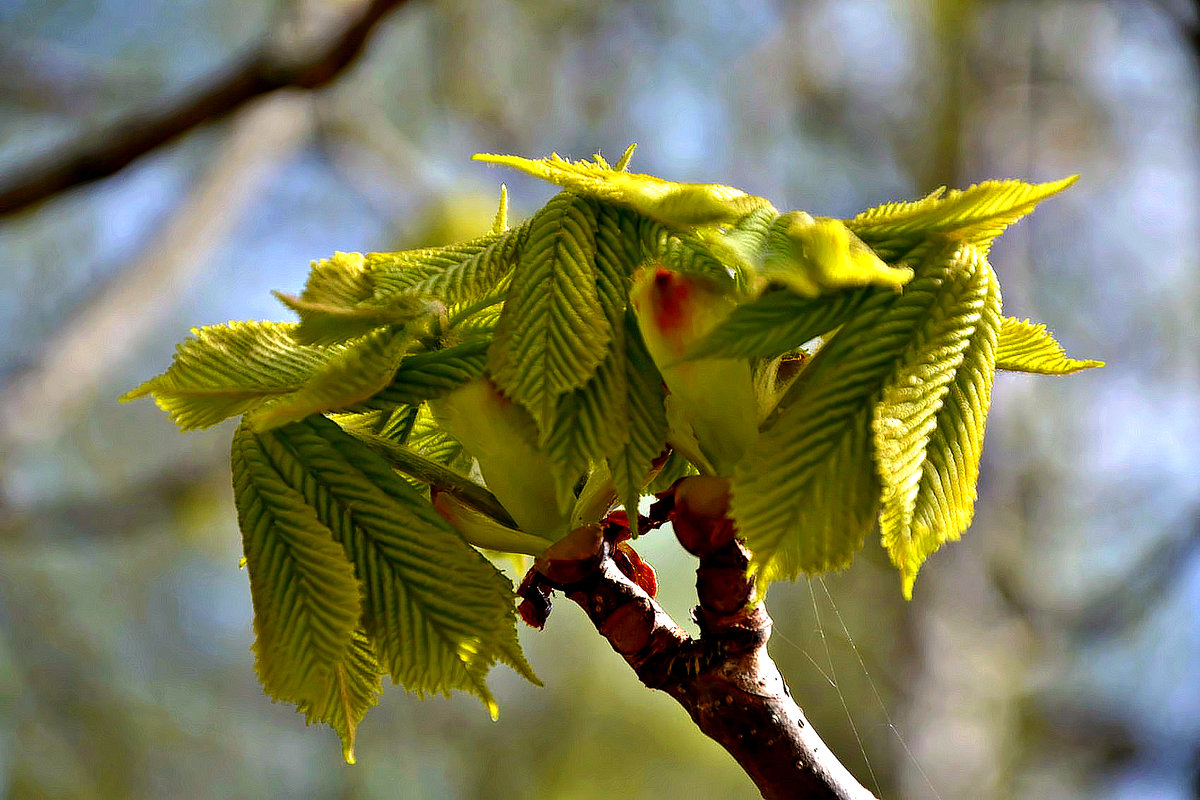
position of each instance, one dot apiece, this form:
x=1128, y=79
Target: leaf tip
x=623, y=163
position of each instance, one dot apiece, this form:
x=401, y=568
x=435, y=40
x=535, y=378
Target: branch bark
x=97, y=155
x=724, y=679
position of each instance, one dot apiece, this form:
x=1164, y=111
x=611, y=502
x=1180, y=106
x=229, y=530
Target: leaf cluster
x=495, y=394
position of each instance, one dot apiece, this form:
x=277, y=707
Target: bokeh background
x=1053, y=653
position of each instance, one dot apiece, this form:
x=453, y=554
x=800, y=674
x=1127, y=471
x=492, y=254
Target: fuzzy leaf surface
x=1028, y=347
x=553, y=332
x=777, y=322
x=973, y=216
x=909, y=414
x=355, y=373
x=439, y=615
x=226, y=370
x=303, y=588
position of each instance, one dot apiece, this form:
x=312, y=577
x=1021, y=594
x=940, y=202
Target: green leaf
x=343, y=280
x=503, y=438
x=973, y=216
x=429, y=375
x=329, y=323
x=1026, y=347
x=946, y=495
x=592, y=422
x=553, y=333
x=354, y=374
x=477, y=275
x=303, y=588
x=730, y=256
x=439, y=615
x=430, y=439
x=817, y=256
x=646, y=422
x=409, y=271
x=908, y=413
x=775, y=323
x=804, y=496
x=677, y=204
x=227, y=370
x=354, y=690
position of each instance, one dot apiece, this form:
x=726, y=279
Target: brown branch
x=724, y=679
x=97, y=155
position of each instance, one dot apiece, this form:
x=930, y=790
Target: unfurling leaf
x=1027, y=347
x=553, y=332
x=227, y=370
x=350, y=377
x=805, y=495
x=973, y=216
x=817, y=256
x=676, y=204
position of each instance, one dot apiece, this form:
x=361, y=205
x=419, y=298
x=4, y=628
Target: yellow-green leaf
x=354, y=690
x=227, y=370
x=908, y=412
x=1028, y=347
x=817, y=256
x=676, y=204
x=353, y=375
x=553, y=333
x=804, y=496
x=438, y=614
x=946, y=496
x=303, y=588
x=974, y=216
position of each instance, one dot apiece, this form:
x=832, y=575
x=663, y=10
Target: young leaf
x=408, y=270
x=816, y=256
x=679, y=205
x=647, y=422
x=354, y=690
x=593, y=421
x=477, y=275
x=426, y=376
x=812, y=465
x=946, y=495
x=329, y=323
x=354, y=374
x=438, y=614
x=553, y=333
x=1026, y=347
x=227, y=370
x=973, y=216
x=777, y=322
x=503, y=439
x=908, y=412
x=303, y=588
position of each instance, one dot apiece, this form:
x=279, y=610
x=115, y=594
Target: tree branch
x=724, y=679
x=100, y=154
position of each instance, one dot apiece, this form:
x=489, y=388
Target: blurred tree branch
x=99, y=154
x=80, y=355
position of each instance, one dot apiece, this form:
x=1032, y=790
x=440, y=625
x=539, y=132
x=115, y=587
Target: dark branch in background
x=99, y=154
x=724, y=679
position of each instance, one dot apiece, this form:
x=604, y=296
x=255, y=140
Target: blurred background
x=1054, y=653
